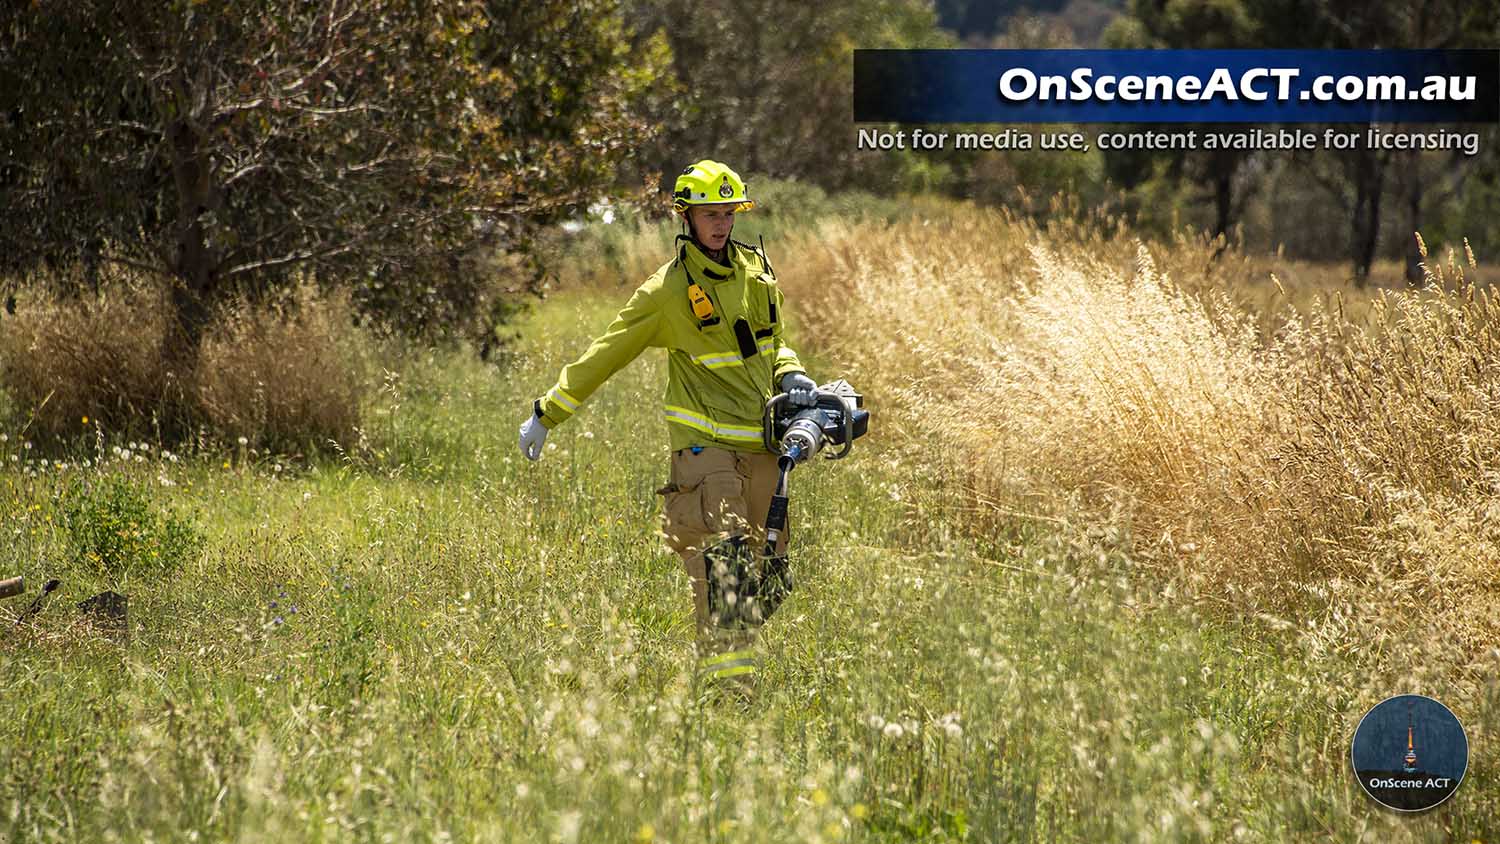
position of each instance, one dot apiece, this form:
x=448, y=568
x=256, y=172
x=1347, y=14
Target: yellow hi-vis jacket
x=721, y=370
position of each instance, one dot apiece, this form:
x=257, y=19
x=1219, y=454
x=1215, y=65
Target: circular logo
x=1410, y=753
x=725, y=190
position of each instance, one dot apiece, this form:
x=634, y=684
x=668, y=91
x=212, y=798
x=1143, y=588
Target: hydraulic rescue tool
x=745, y=589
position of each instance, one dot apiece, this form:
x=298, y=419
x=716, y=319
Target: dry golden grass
x=284, y=376
x=67, y=360
x=288, y=376
x=1327, y=455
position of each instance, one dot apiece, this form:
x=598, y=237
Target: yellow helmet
x=710, y=183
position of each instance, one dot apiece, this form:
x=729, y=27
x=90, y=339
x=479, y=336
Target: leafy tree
x=764, y=84
x=1364, y=175
x=1357, y=180
x=233, y=144
x=1196, y=24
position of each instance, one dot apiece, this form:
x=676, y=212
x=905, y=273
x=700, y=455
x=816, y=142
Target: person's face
x=712, y=223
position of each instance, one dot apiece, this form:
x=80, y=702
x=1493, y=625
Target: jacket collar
x=700, y=264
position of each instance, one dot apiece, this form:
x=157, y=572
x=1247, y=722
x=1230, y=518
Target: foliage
x=764, y=85
x=1353, y=181
x=234, y=144
x=118, y=532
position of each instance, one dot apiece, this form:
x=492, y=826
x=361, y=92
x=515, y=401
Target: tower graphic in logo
x=1409, y=762
x=1394, y=776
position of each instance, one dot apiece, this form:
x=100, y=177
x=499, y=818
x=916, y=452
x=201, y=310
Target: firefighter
x=716, y=309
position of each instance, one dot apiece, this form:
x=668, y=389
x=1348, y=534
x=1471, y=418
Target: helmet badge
x=725, y=190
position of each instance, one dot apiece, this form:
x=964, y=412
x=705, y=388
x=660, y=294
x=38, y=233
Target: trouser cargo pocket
x=682, y=516
x=704, y=500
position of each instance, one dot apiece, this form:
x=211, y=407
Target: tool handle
x=12, y=587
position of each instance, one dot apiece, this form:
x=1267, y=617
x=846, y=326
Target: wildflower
x=876, y=722
x=893, y=730
x=85, y=420
x=645, y=834
x=950, y=726
x=243, y=441
x=859, y=810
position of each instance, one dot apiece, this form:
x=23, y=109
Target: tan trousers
x=712, y=495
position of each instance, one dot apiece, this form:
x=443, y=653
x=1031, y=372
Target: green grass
x=491, y=650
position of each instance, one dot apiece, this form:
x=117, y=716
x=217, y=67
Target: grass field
x=429, y=639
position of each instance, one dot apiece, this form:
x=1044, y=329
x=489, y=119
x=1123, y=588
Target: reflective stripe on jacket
x=715, y=390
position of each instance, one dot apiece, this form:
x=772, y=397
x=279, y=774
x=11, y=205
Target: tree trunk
x=1414, y=189
x=194, y=260
x=1356, y=232
x=1371, y=239
x=1369, y=179
x=1223, y=208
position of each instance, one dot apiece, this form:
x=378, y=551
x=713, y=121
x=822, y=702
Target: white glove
x=801, y=391
x=533, y=434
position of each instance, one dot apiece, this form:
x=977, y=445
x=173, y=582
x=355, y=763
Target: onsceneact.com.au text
x=1256, y=84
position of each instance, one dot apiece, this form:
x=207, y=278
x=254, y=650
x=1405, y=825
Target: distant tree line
x=235, y=146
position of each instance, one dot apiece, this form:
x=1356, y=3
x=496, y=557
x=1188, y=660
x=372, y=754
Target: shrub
x=65, y=358
x=287, y=375
x=283, y=374
x=116, y=530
